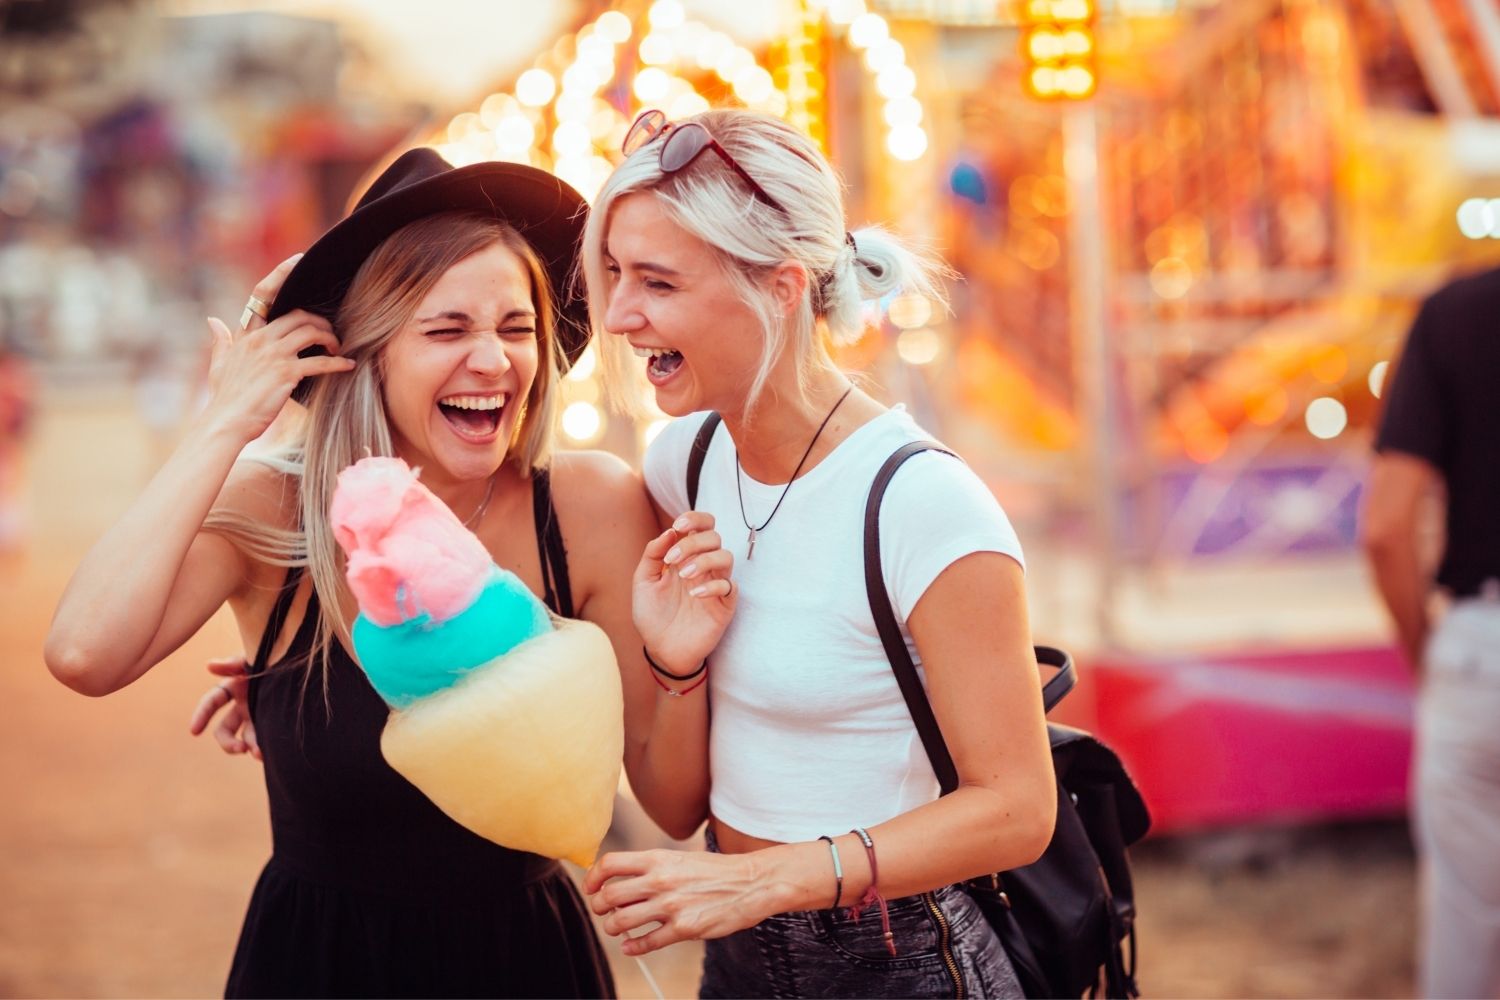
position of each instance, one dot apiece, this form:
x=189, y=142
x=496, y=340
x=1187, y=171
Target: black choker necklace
x=739, y=491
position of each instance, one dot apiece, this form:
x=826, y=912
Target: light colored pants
x=1457, y=804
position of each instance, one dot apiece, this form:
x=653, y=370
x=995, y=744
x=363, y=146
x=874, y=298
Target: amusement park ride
x=1191, y=235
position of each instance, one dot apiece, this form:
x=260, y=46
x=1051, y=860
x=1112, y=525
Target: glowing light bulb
x=583, y=422
x=1326, y=418
x=903, y=111
x=514, y=133
x=572, y=138
x=535, y=87
x=908, y=142
x=666, y=14
x=584, y=366
x=868, y=29
x=845, y=11
x=898, y=81
x=919, y=346
x=614, y=26
x=651, y=85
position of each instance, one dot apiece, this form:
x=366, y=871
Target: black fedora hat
x=547, y=212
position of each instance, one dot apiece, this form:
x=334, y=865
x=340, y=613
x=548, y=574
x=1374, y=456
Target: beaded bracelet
x=872, y=895
x=838, y=871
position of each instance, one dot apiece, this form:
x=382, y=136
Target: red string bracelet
x=673, y=691
x=872, y=895
x=658, y=671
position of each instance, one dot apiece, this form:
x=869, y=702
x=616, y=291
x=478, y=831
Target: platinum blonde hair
x=346, y=419
x=751, y=238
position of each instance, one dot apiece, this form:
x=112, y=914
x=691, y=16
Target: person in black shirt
x=1441, y=433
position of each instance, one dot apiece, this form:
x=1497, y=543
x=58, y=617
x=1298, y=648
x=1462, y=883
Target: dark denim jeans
x=824, y=953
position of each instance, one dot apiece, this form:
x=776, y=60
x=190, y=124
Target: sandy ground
x=129, y=849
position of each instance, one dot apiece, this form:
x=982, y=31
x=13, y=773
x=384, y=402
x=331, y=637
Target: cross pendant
x=751, y=554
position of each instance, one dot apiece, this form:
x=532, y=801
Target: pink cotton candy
x=409, y=554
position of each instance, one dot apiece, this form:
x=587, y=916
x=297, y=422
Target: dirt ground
x=128, y=850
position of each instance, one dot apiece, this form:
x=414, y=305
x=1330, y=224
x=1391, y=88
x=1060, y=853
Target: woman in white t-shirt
x=718, y=253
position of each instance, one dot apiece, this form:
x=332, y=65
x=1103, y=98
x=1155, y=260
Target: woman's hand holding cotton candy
x=253, y=371
x=683, y=597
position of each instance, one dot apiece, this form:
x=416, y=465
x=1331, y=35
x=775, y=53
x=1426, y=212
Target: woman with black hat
x=423, y=326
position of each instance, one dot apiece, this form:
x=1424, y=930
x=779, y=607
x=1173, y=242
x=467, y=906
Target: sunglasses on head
x=681, y=145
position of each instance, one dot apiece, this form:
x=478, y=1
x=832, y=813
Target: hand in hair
x=252, y=373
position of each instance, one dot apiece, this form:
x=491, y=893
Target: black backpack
x=1067, y=919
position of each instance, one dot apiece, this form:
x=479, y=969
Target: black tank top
x=371, y=890
x=338, y=811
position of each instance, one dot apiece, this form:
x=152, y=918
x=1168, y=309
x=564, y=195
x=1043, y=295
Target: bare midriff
x=732, y=841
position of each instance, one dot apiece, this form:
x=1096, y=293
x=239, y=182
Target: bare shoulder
x=596, y=484
x=605, y=514
x=261, y=493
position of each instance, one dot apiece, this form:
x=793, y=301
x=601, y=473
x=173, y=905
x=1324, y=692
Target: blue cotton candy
x=419, y=657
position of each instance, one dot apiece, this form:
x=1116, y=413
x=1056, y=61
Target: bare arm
x=1390, y=531
x=666, y=738
x=971, y=630
x=155, y=578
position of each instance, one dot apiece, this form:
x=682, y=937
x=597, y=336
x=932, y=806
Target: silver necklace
x=484, y=504
x=739, y=490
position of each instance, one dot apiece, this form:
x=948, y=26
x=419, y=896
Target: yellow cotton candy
x=526, y=749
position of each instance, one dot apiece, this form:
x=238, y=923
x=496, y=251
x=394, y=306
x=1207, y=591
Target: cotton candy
x=510, y=721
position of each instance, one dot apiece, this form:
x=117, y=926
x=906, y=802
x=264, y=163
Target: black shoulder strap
x=279, y=610
x=557, y=590
x=890, y=632
x=695, y=457
x=895, y=645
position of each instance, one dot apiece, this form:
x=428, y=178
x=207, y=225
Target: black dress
x=371, y=890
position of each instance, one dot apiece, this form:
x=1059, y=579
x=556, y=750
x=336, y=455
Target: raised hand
x=235, y=732
x=252, y=373
x=682, y=594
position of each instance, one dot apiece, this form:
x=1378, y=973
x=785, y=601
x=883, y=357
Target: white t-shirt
x=810, y=734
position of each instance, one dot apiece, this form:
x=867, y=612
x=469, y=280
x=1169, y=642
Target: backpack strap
x=696, y=456
x=895, y=646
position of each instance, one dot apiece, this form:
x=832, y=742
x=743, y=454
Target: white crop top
x=810, y=734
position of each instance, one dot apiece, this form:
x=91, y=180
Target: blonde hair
x=346, y=418
x=751, y=238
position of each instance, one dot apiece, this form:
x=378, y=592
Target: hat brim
x=548, y=213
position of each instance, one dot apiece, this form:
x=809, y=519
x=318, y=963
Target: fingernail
x=697, y=591
x=689, y=571
x=673, y=554
x=680, y=524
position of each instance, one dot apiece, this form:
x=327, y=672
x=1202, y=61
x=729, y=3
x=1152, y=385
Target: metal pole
x=1425, y=32
x=1093, y=362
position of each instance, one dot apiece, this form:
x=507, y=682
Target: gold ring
x=253, y=307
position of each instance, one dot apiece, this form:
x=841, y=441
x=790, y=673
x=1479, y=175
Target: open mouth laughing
x=662, y=362
x=474, y=418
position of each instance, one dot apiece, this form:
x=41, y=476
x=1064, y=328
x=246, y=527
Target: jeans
x=944, y=949
x=1457, y=804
